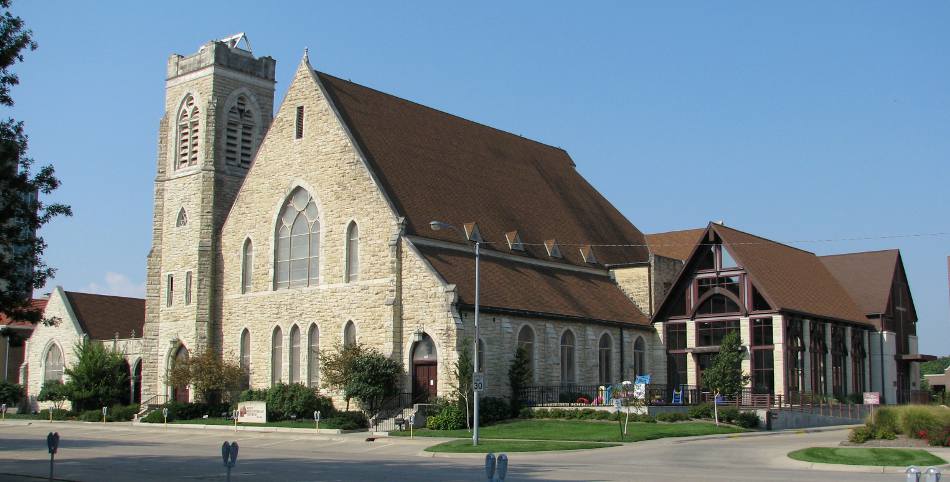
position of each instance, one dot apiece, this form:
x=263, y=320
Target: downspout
x=622, y=360
x=881, y=343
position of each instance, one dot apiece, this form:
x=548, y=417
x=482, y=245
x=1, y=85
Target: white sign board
x=252, y=412
x=479, y=382
x=639, y=391
x=872, y=398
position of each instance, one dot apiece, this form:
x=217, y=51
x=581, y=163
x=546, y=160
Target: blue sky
x=794, y=121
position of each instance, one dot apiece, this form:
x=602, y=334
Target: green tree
x=935, y=367
x=214, y=379
x=374, y=377
x=10, y=393
x=55, y=392
x=725, y=375
x=519, y=376
x=463, y=379
x=100, y=377
x=336, y=366
x=22, y=213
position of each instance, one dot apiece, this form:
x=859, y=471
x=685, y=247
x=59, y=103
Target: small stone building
x=68, y=318
x=15, y=332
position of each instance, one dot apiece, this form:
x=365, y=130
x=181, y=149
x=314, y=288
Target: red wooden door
x=425, y=381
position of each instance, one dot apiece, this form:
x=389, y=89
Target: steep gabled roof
x=102, y=316
x=35, y=304
x=867, y=276
x=791, y=279
x=437, y=166
x=520, y=286
x=675, y=244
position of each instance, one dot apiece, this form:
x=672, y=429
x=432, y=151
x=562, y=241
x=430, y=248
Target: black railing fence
x=598, y=395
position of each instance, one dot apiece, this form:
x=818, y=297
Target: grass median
x=867, y=456
x=580, y=431
x=464, y=446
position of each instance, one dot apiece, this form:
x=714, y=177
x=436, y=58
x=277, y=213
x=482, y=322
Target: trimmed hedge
x=583, y=414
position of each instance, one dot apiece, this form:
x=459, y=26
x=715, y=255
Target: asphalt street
x=97, y=452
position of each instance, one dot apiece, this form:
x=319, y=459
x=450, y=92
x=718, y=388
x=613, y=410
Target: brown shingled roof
x=102, y=316
x=525, y=287
x=867, y=276
x=675, y=244
x=790, y=278
x=437, y=166
x=35, y=304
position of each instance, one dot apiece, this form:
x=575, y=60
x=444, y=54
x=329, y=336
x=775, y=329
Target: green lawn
x=225, y=421
x=579, y=430
x=867, y=456
x=499, y=446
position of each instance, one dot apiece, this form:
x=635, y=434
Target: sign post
x=316, y=419
x=478, y=382
x=716, y=407
x=618, y=403
x=872, y=399
x=105, y=410
x=165, y=416
x=3, y=412
x=52, y=443
x=235, y=414
x=412, y=423
x=229, y=452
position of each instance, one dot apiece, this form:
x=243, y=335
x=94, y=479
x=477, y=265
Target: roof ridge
x=897, y=250
x=103, y=295
x=763, y=238
x=674, y=231
x=543, y=144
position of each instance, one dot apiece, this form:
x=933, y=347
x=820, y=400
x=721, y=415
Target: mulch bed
x=900, y=442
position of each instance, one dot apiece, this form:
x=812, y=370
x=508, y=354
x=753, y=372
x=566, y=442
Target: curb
x=794, y=431
x=247, y=428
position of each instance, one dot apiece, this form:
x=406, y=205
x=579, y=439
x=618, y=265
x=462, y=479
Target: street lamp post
x=436, y=226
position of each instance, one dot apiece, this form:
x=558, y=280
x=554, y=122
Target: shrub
x=155, y=416
x=493, y=409
x=58, y=414
x=728, y=414
x=99, y=378
x=252, y=395
x=54, y=392
x=672, y=417
x=856, y=398
x=703, y=410
x=915, y=420
x=557, y=413
x=859, y=435
x=886, y=419
x=526, y=412
x=294, y=401
x=884, y=434
x=91, y=416
x=449, y=418
x=123, y=413
x=348, y=420
x=940, y=438
x=748, y=420
x=10, y=393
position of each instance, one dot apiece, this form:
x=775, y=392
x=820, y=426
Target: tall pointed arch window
x=639, y=357
x=53, y=364
x=567, y=357
x=245, y=359
x=294, y=354
x=605, y=359
x=188, y=133
x=349, y=334
x=526, y=341
x=297, y=257
x=352, y=252
x=247, y=266
x=313, y=356
x=276, y=356
x=182, y=219
x=239, y=134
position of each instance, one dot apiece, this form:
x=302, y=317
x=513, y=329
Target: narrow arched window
x=313, y=356
x=352, y=252
x=246, y=351
x=53, y=364
x=239, y=134
x=182, y=219
x=526, y=341
x=276, y=356
x=297, y=257
x=605, y=358
x=188, y=133
x=247, y=266
x=294, y=354
x=349, y=334
x=639, y=357
x=567, y=357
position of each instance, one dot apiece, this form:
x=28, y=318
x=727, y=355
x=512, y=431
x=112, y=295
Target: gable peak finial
x=306, y=55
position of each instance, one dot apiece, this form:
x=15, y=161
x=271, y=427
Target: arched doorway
x=127, y=397
x=180, y=394
x=137, y=382
x=425, y=368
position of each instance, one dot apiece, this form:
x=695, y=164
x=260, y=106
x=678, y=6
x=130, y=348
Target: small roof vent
x=514, y=241
x=554, y=250
x=587, y=252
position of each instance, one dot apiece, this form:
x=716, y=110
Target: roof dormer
x=514, y=241
x=553, y=249
x=587, y=252
x=472, y=233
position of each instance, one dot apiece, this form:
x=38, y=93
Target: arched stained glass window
x=297, y=257
x=53, y=364
x=349, y=334
x=567, y=357
x=352, y=252
x=246, y=351
x=276, y=356
x=313, y=356
x=294, y=354
x=247, y=266
x=605, y=359
x=639, y=356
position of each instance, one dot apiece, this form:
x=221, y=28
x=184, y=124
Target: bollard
x=490, y=467
x=933, y=474
x=912, y=474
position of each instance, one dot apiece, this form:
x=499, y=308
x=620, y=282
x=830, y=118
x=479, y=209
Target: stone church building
x=276, y=236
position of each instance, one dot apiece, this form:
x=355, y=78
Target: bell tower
x=219, y=103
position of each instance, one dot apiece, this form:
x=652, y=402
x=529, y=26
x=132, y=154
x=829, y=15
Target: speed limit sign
x=479, y=382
